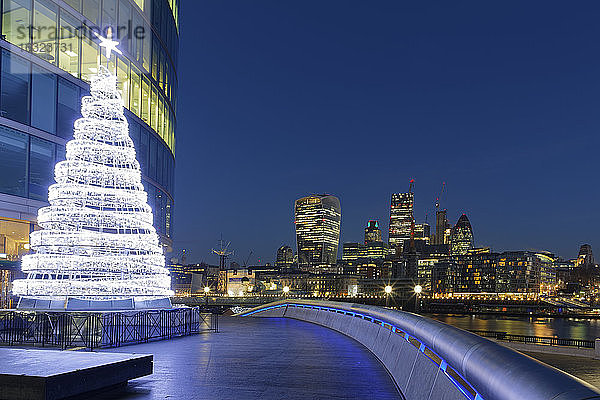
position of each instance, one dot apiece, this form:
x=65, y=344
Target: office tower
x=441, y=227
x=461, y=237
x=401, y=219
x=372, y=232
x=285, y=257
x=422, y=232
x=585, y=257
x=43, y=77
x=317, y=219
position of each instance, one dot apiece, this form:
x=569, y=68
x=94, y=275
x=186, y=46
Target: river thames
x=574, y=328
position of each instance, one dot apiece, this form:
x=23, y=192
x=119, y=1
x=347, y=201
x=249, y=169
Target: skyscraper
x=585, y=257
x=401, y=218
x=317, y=220
x=461, y=237
x=372, y=232
x=285, y=257
x=441, y=226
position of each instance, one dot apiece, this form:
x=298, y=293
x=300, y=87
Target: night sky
x=281, y=99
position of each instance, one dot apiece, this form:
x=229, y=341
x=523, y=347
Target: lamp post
x=418, y=289
x=206, y=291
x=388, y=292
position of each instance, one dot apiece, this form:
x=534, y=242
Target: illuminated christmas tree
x=97, y=240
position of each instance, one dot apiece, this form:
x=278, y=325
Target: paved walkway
x=261, y=358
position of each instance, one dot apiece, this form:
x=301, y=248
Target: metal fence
x=543, y=340
x=100, y=329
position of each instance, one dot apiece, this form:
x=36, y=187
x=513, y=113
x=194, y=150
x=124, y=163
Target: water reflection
x=574, y=328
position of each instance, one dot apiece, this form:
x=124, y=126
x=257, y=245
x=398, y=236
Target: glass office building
x=317, y=220
x=47, y=52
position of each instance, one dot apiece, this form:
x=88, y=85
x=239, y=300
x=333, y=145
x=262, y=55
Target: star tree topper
x=108, y=44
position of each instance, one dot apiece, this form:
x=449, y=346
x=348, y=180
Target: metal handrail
x=542, y=340
x=493, y=371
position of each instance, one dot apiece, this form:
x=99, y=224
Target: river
x=573, y=328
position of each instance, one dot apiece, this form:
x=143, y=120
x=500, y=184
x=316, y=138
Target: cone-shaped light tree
x=97, y=240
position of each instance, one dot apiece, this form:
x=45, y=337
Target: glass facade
x=317, y=220
x=48, y=51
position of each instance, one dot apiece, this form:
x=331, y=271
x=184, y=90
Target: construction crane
x=248, y=258
x=439, y=198
x=223, y=252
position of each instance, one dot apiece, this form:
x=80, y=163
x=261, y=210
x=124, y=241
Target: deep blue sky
x=280, y=99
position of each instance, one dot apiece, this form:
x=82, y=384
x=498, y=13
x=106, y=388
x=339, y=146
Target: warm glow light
x=206, y=289
x=388, y=289
x=97, y=241
x=418, y=289
x=286, y=289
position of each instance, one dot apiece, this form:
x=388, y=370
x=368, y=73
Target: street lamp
x=286, y=290
x=206, y=291
x=418, y=289
x=388, y=291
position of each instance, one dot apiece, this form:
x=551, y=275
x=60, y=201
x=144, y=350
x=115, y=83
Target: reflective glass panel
x=136, y=91
x=15, y=21
x=43, y=99
x=44, y=31
x=89, y=59
x=68, y=108
x=123, y=81
x=41, y=168
x=15, y=87
x=13, y=162
x=145, y=115
x=68, y=45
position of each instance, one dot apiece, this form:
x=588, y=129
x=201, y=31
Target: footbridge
x=428, y=359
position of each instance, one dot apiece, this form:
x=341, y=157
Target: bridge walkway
x=260, y=358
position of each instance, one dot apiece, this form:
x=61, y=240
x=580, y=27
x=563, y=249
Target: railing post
x=597, y=348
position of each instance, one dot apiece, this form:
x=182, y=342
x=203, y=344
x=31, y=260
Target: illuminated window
x=68, y=45
x=89, y=59
x=145, y=115
x=136, y=91
x=14, y=238
x=15, y=20
x=44, y=30
x=123, y=79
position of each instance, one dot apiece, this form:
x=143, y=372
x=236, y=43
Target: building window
x=123, y=79
x=15, y=87
x=14, y=238
x=68, y=48
x=91, y=10
x=44, y=30
x=142, y=151
x=13, y=162
x=41, y=163
x=68, y=107
x=15, y=21
x=152, y=158
x=43, y=99
x=89, y=58
x=145, y=109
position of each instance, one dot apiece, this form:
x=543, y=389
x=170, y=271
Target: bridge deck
x=261, y=358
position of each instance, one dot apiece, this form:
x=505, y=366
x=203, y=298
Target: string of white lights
x=97, y=239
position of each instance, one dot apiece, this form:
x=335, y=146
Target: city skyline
x=357, y=100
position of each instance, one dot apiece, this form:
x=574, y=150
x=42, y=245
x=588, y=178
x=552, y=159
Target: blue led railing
x=460, y=383
x=493, y=367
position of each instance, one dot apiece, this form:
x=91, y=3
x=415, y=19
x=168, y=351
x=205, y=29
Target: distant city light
x=206, y=289
x=388, y=289
x=286, y=289
x=418, y=289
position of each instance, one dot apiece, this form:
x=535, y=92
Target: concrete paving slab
x=53, y=374
x=261, y=358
